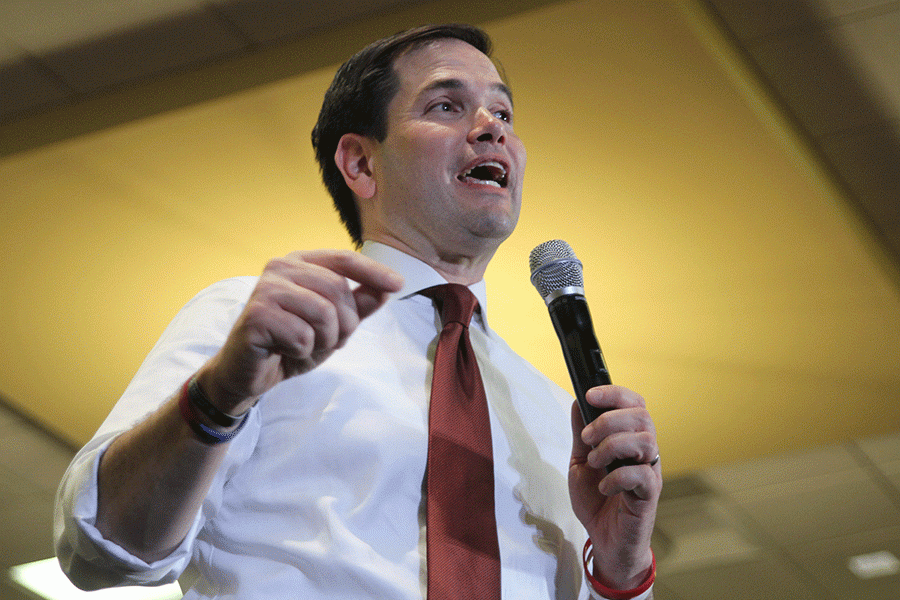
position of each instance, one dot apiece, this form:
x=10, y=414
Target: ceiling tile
x=8, y=418
x=820, y=84
x=33, y=456
x=693, y=533
x=27, y=531
x=662, y=592
x=841, y=9
x=25, y=85
x=867, y=161
x=882, y=450
x=278, y=19
x=885, y=453
x=781, y=469
x=874, y=42
x=827, y=562
x=273, y=20
x=832, y=506
x=149, y=51
x=15, y=490
x=893, y=477
x=751, y=19
x=47, y=25
x=753, y=580
x=9, y=51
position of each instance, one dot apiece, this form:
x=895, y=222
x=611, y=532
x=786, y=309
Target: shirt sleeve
x=196, y=333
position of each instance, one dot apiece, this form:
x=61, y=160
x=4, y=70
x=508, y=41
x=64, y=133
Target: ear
x=353, y=159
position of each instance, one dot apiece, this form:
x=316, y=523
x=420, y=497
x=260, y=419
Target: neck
x=455, y=267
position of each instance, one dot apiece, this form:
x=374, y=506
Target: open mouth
x=487, y=173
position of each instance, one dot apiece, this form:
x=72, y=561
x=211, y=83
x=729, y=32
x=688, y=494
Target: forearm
x=152, y=481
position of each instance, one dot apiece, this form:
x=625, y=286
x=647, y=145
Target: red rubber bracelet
x=610, y=593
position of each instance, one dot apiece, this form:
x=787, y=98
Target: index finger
x=609, y=397
x=356, y=267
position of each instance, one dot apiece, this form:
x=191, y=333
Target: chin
x=495, y=227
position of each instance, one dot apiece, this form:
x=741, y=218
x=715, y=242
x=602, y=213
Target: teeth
x=493, y=164
x=485, y=181
x=489, y=165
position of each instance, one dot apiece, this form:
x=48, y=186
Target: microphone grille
x=554, y=266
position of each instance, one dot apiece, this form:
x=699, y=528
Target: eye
x=504, y=115
x=444, y=106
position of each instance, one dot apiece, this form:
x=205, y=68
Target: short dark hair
x=357, y=100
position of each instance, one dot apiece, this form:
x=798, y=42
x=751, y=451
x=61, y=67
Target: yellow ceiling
x=730, y=283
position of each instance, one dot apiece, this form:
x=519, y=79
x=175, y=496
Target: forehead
x=442, y=61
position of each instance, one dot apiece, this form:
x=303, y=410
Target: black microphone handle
x=584, y=359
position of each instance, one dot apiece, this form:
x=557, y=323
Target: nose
x=487, y=128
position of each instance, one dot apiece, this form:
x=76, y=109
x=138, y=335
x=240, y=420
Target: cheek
x=425, y=154
x=520, y=157
x=519, y=150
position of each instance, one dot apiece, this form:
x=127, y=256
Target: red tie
x=463, y=552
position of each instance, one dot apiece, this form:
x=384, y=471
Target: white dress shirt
x=320, y=495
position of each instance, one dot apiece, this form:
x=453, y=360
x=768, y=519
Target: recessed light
x=875, y=564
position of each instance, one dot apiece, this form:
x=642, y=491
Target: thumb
x=371, y=294
x=368, y=300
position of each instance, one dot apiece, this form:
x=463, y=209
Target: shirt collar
x=417, y=275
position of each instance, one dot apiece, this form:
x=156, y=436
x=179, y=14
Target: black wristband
x=201, y=402
x=205, y=434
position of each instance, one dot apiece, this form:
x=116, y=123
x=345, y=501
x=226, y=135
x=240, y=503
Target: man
x=292, y=462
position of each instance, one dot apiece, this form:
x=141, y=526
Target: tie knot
x=455, y=301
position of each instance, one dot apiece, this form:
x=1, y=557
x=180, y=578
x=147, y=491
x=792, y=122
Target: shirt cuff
x=93, y=560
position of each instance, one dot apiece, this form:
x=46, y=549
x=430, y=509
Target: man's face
x=449, y=173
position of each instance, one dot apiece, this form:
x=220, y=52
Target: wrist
x=202, y=403
x=599, y=591
x=220, y=396
x=208, y=424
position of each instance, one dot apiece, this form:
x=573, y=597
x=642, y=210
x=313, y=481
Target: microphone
x=556, y=274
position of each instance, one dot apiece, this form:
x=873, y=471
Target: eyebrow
x=456, y=84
